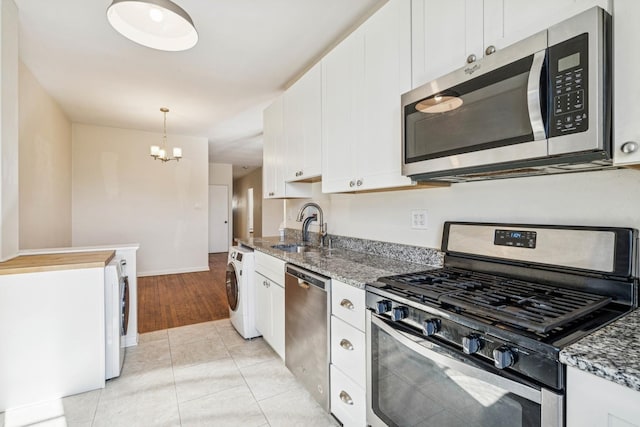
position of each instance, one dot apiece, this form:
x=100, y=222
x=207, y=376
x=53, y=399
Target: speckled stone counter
x=352, y=267
x=612, y=352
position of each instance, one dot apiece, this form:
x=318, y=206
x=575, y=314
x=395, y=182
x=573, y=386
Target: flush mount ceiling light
x=158, y=24
x=439, y=104
x=160, y=152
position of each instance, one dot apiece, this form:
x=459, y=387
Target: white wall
x=222, y=174
x=44, y=167
x=120, y=194
x=608, y=198
x=8, y=129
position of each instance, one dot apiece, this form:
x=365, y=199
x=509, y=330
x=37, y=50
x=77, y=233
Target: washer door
x=232, y=287
x=124, y=306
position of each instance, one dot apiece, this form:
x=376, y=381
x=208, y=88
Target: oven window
x=491, y=111
x=408, y=389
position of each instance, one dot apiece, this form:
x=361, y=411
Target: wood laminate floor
x=174, y=300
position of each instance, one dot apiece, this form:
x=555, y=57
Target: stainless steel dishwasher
x=307, y=298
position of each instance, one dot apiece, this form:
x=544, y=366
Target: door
x=218, y=218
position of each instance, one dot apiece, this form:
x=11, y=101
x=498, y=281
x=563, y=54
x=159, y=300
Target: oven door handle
x=533, y=96
x=447, y=358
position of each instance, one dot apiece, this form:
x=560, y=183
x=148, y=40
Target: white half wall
x=606, y=198
x=120, y=194
x=44, y=167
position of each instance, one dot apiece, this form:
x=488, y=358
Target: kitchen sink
x=294, y=247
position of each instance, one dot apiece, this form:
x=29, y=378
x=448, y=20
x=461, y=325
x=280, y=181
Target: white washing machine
x=241, y=291
x=116, y=309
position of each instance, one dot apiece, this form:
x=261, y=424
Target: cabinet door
x=626, y=39
x=277, y=319
x=342, y=80
x=263, y=306
x=593, y=402
x=507, y=22
x=444, y=34
x=387, y=75
x=272, y=143
x=303, y=126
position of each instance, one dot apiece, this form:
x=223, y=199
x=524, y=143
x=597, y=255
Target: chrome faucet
x=307, y=221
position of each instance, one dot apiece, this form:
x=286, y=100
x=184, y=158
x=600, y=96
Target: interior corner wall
x=9, y=191
x=222, y=174
x=121, y=195
x=44, y=167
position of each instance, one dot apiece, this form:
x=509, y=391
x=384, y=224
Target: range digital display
x=515, y=238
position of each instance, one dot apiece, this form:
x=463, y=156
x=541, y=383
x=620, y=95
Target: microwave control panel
x=568, y=86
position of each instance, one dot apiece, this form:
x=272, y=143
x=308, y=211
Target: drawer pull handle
x=347, y=304
x=346, y=344
x=346, y=399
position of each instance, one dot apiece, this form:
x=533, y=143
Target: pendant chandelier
x=160, y=152
x=158, y=24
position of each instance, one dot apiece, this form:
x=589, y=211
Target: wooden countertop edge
x=56, y=262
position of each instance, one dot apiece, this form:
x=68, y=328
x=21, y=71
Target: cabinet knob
x=471, y=58
x=346, y=399
x=347, y=304
x=352, y=183
x=629, y=147
x=301, y=173
x=359, y=182
x=490, y=50
x=346, y=344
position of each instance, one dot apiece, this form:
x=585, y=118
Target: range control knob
x=471, y=344
x=503, y=357
x=430, y=327
x=398, y=313
x=383, y=306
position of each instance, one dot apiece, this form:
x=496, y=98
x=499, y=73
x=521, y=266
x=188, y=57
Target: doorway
x=218, y=218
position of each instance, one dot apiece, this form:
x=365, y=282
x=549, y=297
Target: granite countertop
x=612, y=352
x=53, y=262
x=352, y=267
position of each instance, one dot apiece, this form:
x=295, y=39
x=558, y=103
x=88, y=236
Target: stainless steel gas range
x=477, y=342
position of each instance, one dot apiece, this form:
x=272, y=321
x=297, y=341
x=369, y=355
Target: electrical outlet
x=419, y=219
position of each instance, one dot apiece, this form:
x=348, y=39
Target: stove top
x=537, y=307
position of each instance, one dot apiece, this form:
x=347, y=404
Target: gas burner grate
x=534, y=306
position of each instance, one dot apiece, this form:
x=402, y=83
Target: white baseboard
x=131, y=340
x=173, y=271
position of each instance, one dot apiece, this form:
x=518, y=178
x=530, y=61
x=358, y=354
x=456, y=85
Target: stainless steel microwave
x=540, y=106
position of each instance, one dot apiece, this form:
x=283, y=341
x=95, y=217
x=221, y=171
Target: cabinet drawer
x=348, y=402
x=270, y=266
x=347, y=350
x=347, y=303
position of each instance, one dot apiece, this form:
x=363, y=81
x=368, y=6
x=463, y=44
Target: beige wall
x=44, y=168
x=608, y=198
x=121, y=195
x=8, y=130
x=267, y=213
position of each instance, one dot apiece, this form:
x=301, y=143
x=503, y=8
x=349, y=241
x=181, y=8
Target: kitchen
x=565, y=199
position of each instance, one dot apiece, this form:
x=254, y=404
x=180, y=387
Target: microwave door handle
x=533, y=96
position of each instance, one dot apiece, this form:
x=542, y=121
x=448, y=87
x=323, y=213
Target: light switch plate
x=419, y=219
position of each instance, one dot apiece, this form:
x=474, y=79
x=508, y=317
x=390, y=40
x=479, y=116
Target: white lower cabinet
x=348, y=399
x=269, y=294
x=595, y=402
x=348, y=354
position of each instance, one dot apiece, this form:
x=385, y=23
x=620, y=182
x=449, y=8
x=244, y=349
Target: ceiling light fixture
x=158, y=24
x=160, y=152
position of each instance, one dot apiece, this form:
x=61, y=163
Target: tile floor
x=197, y=375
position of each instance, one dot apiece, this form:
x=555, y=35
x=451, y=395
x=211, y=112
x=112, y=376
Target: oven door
x=414, y=382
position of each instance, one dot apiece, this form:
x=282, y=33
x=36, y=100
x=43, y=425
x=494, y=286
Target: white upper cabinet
x=303, y=126
x=448, y=34
x=626, y=39
x=362, y=80
x=273, y=183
